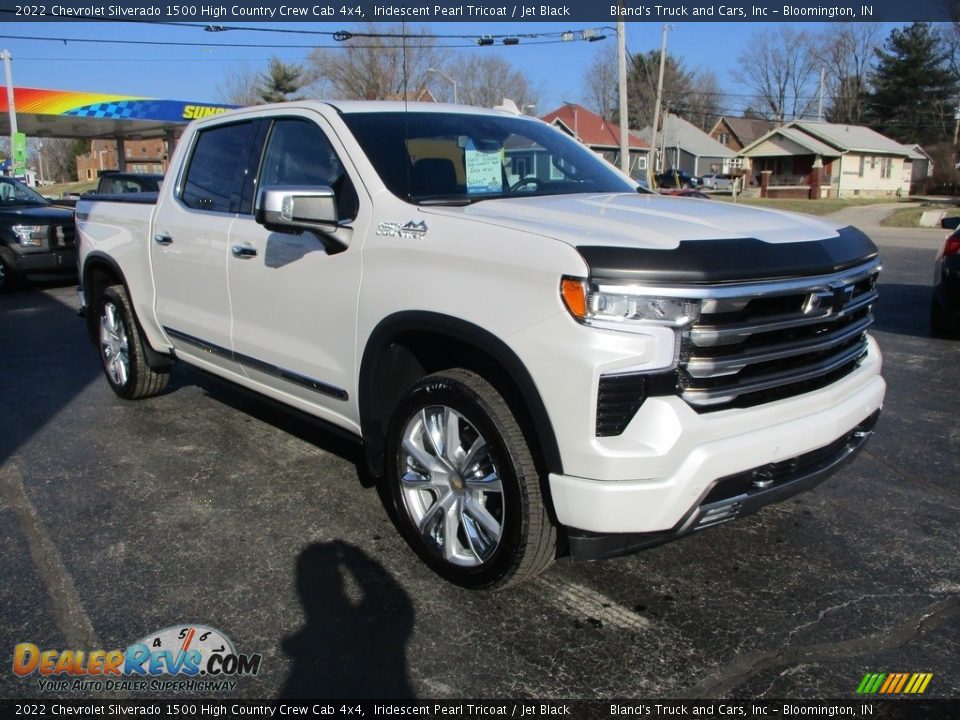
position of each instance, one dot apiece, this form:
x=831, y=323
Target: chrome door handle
x=243, y=251
x=162, y=239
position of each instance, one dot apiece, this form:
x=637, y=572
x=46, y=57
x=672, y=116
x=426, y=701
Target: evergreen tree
x=914, y=92
x=280, y=82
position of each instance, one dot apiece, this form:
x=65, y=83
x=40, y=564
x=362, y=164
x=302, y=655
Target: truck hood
x=658, y=239
x=35, y=214
x=654, y=222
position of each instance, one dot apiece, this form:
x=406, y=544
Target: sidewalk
x=868, y=217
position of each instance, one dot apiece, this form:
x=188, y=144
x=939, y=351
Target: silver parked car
x=713, y=181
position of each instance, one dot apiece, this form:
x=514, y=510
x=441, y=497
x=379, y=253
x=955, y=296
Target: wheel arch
x=100, y=271
x=408, y=345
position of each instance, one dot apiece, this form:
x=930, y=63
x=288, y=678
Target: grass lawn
x=910, y=217
x=59, y=189
x=810, y=207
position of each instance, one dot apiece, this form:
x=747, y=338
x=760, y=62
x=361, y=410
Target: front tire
x=464, y=486
x=122, y=350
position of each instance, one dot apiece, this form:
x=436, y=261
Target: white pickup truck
x=539, y=357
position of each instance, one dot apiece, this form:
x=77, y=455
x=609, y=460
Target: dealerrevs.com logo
x=178, y=658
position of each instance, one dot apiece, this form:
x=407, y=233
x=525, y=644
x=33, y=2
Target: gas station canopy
x=71, y=114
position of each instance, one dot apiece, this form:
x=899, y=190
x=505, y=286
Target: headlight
x=619, y=311
x=30, y=235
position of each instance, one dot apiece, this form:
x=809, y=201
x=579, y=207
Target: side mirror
x=285, y=208
x=295, y=209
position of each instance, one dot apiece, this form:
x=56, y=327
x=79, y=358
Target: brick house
x=599, y=135
x=143, y=156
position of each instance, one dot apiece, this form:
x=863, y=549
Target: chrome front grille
x=755, y=343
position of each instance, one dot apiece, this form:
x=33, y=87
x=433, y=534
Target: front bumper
x=733, y=496
x=649, y=478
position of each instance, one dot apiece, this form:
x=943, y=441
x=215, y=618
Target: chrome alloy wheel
x=451, y=487
x=114, y=345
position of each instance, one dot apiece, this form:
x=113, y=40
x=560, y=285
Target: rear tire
x=122, y=348
x=464, y=486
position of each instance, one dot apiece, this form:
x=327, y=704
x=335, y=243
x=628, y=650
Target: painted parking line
x=71, y=618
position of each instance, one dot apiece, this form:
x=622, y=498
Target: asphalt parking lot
x=208, y=506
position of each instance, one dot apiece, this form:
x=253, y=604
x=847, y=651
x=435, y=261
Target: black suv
x=35, y=237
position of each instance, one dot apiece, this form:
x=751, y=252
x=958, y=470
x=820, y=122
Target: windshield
x=449, y=158
x=13, y=192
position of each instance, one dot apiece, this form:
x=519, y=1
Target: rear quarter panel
x=119, y=232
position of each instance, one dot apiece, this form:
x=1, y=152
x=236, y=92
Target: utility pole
x=11, y=106
x=956, y=126
x=656, y=107
x=823, y=71
x=622, y=89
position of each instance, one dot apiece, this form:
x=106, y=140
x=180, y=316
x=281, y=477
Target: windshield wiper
x=455, y=201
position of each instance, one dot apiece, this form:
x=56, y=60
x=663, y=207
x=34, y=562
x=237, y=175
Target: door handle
x=243, y=251
x=162, y=239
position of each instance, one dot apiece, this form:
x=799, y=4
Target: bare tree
x=600, y=83
x=60, y=158
x=485, y=82
x=239, y=86
x=375, y=68
x=702, y=107
x=781, y=69
x=847, y=53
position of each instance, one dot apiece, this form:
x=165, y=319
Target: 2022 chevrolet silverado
x=537, y=356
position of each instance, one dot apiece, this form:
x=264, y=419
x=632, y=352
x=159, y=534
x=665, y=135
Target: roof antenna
x=406, y=119
x=403, y=63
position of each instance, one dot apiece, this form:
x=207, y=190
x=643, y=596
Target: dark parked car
x=35, y=237
x=676, y=179
x=945, y=304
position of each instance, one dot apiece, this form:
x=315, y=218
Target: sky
x=193, y=72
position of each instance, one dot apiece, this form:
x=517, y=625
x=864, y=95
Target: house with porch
x=738, y=132
x=817, y=159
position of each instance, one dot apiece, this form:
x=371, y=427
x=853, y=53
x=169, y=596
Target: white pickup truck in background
x=538, y=357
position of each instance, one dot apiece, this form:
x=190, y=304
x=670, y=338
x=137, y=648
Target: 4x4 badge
x=409, y=230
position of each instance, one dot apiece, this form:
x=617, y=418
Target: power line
x=261, y=46
x=588, y=34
